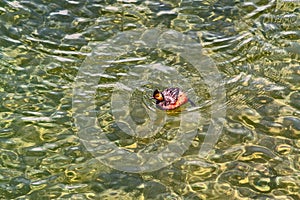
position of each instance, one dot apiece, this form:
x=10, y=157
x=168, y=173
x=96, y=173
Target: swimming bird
x=170, y=98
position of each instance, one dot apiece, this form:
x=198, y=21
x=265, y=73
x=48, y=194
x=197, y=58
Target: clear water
x=253, y=45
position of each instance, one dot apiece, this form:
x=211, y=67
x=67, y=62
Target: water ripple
x=255, y=45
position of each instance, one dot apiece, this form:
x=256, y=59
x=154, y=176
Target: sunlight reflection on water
x=255, y=47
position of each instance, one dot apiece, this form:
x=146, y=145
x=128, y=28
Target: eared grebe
x=170, y=98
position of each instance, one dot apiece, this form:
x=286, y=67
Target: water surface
x=255, y=47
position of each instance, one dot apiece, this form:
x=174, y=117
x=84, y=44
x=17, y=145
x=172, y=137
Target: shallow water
x=77, y=120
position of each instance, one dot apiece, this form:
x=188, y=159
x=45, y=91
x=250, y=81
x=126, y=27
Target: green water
x=254, y=47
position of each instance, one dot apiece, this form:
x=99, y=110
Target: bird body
x=170, y=98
